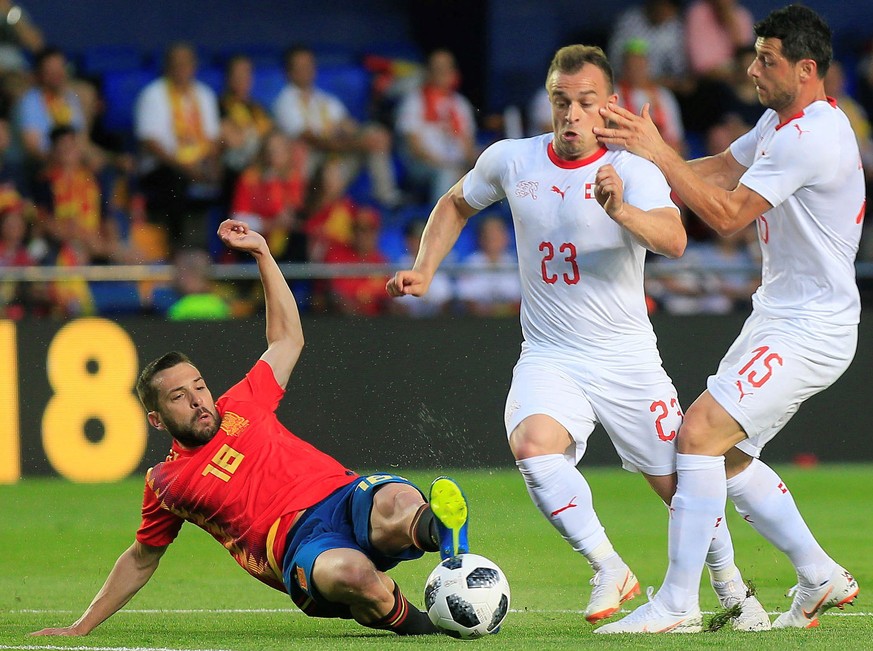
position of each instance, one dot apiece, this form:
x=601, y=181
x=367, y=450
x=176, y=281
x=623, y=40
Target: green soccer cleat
x=449, y=505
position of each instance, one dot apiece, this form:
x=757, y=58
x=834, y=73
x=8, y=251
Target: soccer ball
x=467, y=596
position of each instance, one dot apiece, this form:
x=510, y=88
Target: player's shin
x=764, y=501
x=404, y=618
x=562, y=495
x=696, y=508
x=423, y=530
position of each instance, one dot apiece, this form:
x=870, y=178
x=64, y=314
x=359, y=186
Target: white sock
x=562, y=495
x=696, y=508
x=763, y=500
x=720, y=557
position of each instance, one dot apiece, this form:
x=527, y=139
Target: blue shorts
x=339, y=521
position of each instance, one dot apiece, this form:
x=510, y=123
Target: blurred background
x=129, y=130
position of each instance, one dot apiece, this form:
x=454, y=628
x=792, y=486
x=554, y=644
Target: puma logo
x=743, y=394
x=800, y=131
x=555, y=188
x=571, y=505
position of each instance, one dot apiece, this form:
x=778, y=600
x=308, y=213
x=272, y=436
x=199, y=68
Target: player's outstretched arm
x=725, y=211
x=446, y=221
x=284, y=331
x=132, y=571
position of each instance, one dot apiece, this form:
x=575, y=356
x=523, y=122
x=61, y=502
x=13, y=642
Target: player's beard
x=777, y=99
x=194, y=433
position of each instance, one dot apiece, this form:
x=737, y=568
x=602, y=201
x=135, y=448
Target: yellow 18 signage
x=92, y=368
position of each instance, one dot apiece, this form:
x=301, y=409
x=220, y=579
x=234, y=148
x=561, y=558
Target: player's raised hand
x=237, y=235
x=635, y=133
x=609, y=190
x=407, y=282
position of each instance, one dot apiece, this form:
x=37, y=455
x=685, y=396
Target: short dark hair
x=145, y=388
x=571, y=58
x=804, y=35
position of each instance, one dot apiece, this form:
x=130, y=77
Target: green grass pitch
x=58, y=541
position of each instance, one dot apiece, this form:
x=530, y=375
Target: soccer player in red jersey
x=290, y=515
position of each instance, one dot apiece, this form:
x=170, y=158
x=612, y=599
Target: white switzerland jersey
x=809, y=170
x=581, y=273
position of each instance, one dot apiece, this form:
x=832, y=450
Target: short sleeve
x=159, y=527
x=259, y=386
x=790, y=164
x=743, y=148
x=644, y=185
x=483, y=184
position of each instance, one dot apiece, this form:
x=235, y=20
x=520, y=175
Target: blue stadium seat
x=97, y=60
x=260, y=54
x=115, y=297
x=350, y=83
x=396, y=50
x=212, y=76
x=391, y=242
x=268, y=83
x=333, y=54
x=120, y=90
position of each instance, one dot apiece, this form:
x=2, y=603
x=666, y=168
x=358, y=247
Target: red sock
x=404, y=618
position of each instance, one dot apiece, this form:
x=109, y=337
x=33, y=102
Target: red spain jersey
x=246, y=486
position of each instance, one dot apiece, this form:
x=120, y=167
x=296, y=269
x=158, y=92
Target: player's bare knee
x=536, y=436
x=345, y=578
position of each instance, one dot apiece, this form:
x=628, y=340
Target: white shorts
x=636, y=404
x=772, y=367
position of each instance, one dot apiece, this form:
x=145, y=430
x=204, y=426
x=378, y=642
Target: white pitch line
x=52, y=647
x=294, y=611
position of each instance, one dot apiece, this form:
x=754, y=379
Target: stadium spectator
x=303, y=110
x=797, y=176
x=437, y=129
x=19, y=299
x=176, y=121
x=69, y=206
x=244, y=122
x=197, y=299
x=636, y=87
x=722, y=284
x=835, y=86
x=715, y=30
x=589, y=353
x=329, y=212
x=19, y=37
x=50, y=103
x=739, y=108
x=539, y=113
x=439, y=296
x=292, y=516
x=659, y=24
x=364, y=295
x=489, y=290
x=270, y=194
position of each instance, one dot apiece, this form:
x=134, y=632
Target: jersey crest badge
x=233, y=424
x=525, y=188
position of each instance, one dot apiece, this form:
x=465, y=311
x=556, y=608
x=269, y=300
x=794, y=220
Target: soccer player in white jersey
x=584, y=217
x=798, y=173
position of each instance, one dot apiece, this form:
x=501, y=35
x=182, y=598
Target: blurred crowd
x=110, y=157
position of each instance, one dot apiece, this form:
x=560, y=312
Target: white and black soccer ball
x=467, y=596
